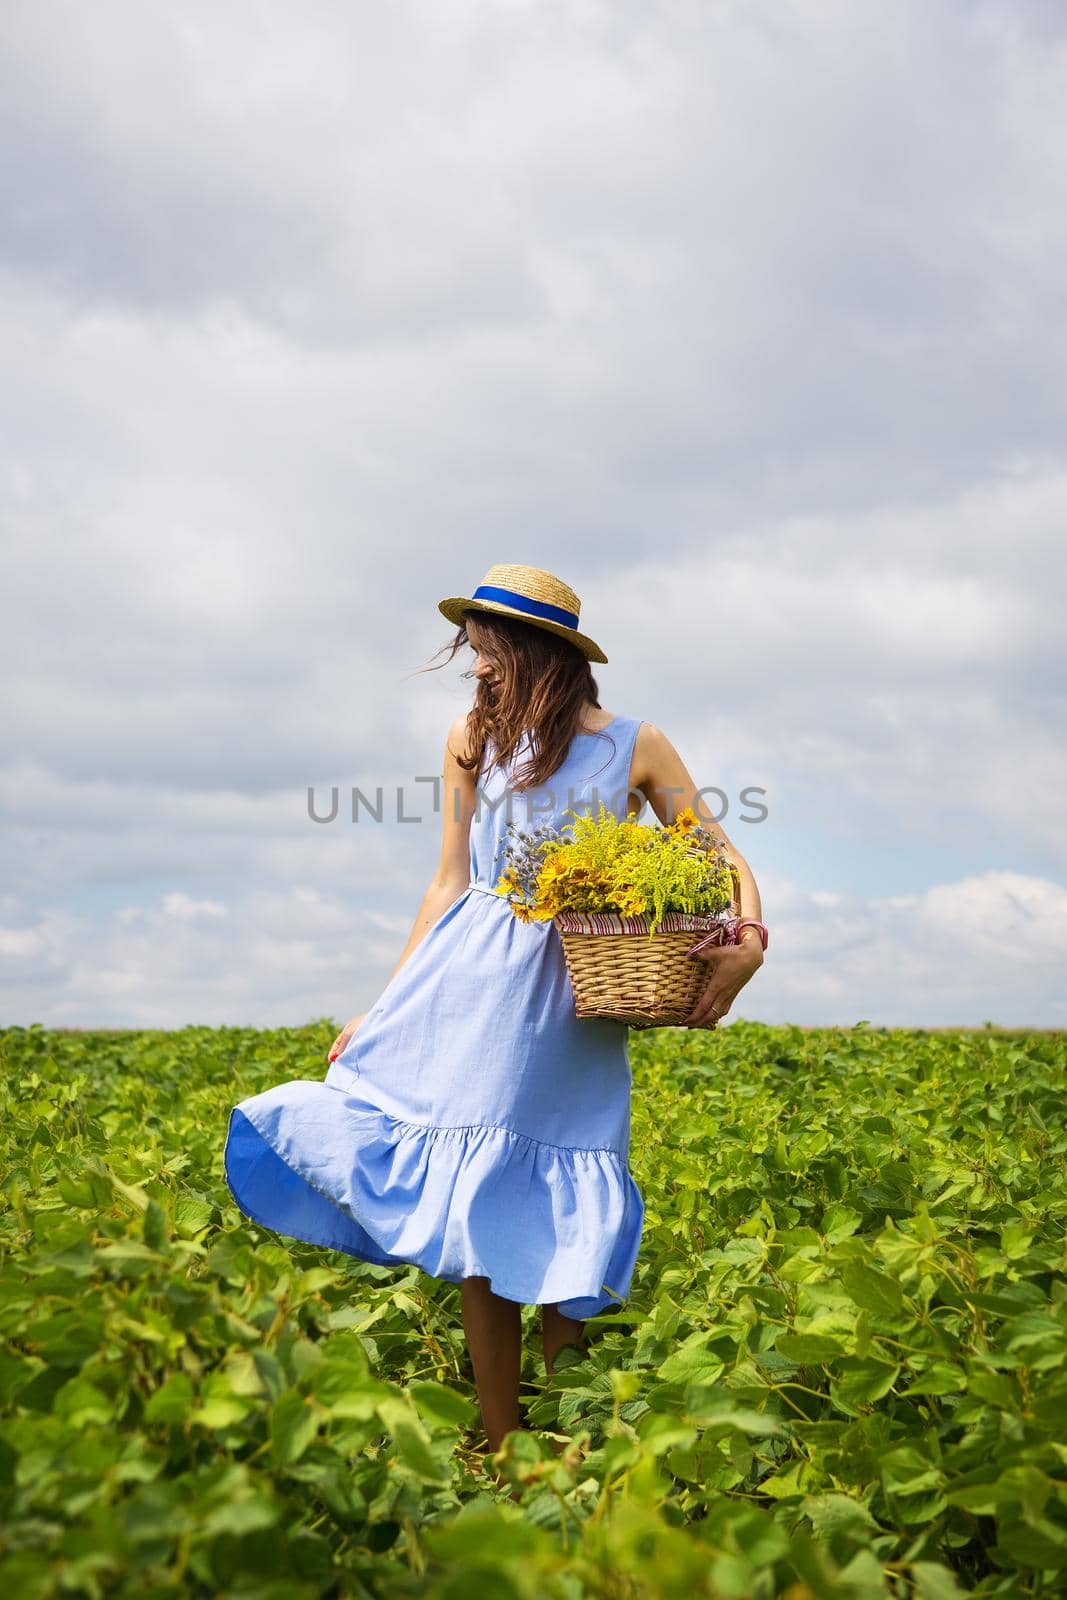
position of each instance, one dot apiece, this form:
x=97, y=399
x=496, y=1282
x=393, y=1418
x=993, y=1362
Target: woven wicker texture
x=618, y=971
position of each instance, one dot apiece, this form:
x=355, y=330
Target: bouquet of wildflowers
x=627, y=867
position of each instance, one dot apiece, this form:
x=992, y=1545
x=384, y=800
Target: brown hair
x=545, y=682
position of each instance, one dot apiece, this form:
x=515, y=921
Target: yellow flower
x=609, y=862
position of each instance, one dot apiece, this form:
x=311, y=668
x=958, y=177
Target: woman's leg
x=493, y=1327
x=558, y=1330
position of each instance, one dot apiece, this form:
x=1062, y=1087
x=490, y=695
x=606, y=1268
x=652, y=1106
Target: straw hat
x=533, y=596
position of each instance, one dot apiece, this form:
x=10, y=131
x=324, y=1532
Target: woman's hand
x=345, y=1034
x=731, y=967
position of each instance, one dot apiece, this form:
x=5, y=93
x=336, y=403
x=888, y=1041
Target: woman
x=470, y=1122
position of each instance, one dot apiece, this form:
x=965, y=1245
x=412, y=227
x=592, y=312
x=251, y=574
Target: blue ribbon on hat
x=522, y=602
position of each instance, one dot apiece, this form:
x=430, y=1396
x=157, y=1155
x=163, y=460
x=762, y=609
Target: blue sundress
x=473, y=1125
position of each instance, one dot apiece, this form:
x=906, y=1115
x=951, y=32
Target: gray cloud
x=746, y=320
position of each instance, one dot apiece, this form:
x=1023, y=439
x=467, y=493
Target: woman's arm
x=458, y=796
x=663, y=778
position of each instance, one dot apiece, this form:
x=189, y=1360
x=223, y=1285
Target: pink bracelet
x=750, y=922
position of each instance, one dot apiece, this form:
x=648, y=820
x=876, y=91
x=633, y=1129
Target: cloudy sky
x=745, y=317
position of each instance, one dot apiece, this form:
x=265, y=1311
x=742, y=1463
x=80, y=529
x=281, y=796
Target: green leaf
x=840, y=1221
x=437, y=1403
x=238, y=1517
x=172, y=1401
x=1037, y=1544
x=15, y=1371
x=995, y=1388
x=862, y=1575
x=1015, y=1240
x=860, y=1383
x=660, y=1432
x=873, y=1290
x=1025, y=1486
x=346, y=1392
x=480, y=1536
x=77, y=1192
x=411, y=1440
x=136, y=1196
x=191, y=1216
x=219, y=1406
x=788, y=1484
x=808, y=1349
x=713, y=1408
x=906, y=1470
x=692, y=1361
x=624, y=1384
x=757, y=1535
x=155, y=1226
x=938, y=1378
x=293, y=1425
x=935, y=1582
x=128, y=1256
x=69, y=1338
x=81, y=1404
x=838, y=1513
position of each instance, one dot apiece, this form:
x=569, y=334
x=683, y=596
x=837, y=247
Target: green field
x=842, y=1370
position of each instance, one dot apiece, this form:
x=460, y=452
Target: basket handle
x=725, y=933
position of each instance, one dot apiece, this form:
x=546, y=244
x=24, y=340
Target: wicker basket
x=618, y=972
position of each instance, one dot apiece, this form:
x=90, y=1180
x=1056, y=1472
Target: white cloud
x=185, y=909
x=20, y=942
x=986, y=948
